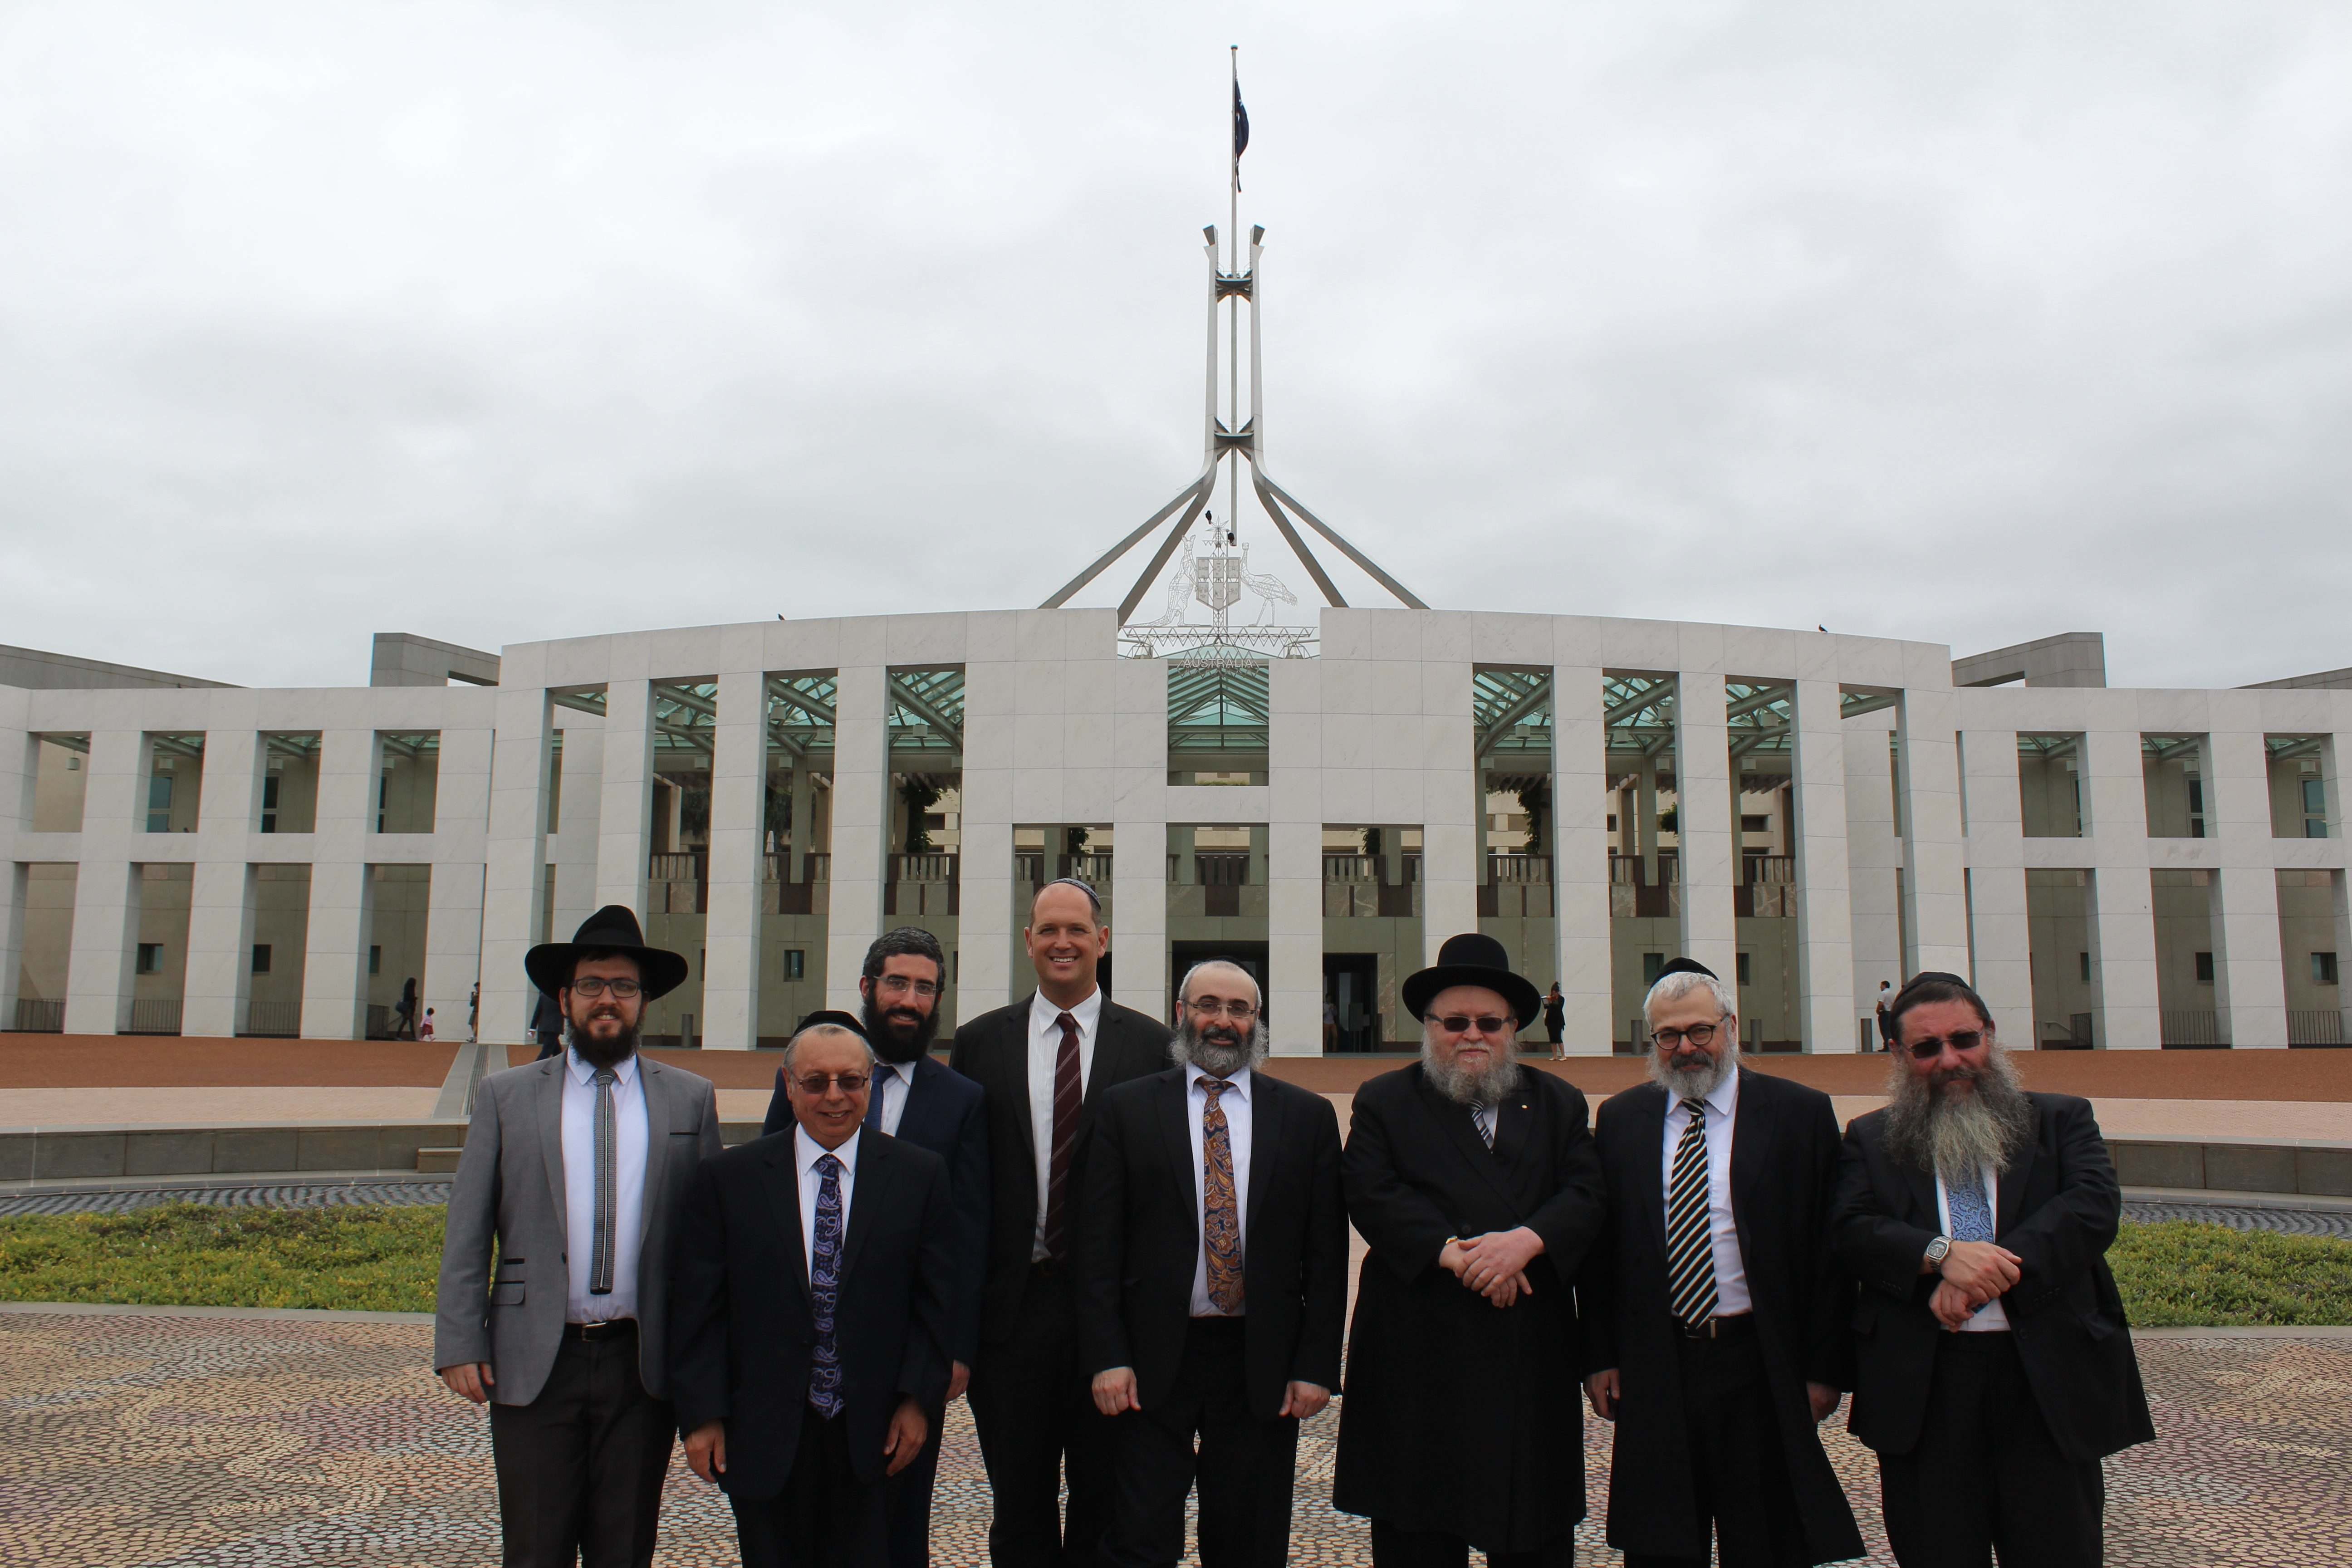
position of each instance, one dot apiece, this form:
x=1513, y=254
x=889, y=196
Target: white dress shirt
x=806, y=1153
x=1044, y=1049
x=1235, y=1103
x=893, y=1081
x=1723, y=1231
x=1989, y=1318
x=580, y=1188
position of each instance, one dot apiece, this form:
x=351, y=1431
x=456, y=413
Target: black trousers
x=1036, y=1419
x=907, y=1501
x=824, y=1517
x=1245, y=1464
x=1740, y=1471
x=580, y=1469
x=1396, y=1548
x=1987, y=1475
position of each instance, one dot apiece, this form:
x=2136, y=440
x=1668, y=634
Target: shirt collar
x=585, y=1075
x=1193, y=1075
x=906, y=1071
x=807, y=1151
x=1723, y=1099
x=1043, y=1014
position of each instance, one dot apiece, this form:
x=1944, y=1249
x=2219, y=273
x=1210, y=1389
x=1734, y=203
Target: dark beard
x=884, y=1036
x=602, y=1053
x=1957, y=1138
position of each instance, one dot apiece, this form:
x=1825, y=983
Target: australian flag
x=1241, y=133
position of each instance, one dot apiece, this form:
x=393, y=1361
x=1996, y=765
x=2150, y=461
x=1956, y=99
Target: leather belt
x=1742, y=1327
x=590, y=1332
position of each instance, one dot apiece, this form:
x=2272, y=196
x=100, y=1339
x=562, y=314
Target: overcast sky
x=1964, y=323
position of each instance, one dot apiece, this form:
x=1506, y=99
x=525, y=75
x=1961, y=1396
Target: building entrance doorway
x=1351, y=1002
x=1183, y=955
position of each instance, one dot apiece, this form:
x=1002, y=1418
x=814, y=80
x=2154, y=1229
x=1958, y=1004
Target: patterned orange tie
x=1221, y=1220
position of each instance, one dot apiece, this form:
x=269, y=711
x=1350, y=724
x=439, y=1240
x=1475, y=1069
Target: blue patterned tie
x=1971, y=1215
x=824, y=1291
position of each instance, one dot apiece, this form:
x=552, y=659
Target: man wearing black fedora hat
x=574, y=1170
x=1474, y=1182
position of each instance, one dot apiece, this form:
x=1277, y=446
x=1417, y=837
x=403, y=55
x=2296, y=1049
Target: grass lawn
x=2175, y=1275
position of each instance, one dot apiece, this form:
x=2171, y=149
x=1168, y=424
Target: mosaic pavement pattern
x=137, y=1440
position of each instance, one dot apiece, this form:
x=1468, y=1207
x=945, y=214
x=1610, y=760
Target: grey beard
x=1187, y=1048
x=598, y=1054
x=1929, y=1131
x=1465, y=1086
x=1694, y=1083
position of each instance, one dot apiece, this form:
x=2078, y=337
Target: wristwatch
x=1937, y=1250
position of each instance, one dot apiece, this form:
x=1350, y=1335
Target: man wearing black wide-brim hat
x=1475, y=1181
x=574, y=1170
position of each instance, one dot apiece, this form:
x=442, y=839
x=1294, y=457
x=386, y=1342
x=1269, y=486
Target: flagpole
x=1234, y=335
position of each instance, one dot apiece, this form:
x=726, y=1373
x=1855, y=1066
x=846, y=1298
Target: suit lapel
x=908, y=1124
x=865, y=1192
x=656, y=1090
x=2010, y=1194
x=551, y=1134
x=1110, y=1042
x=783, y=1183
x=1265, y=1144
x=1922, y=1187
x=1751, y=1156
x=1650, y=1162
x=1173, y=1110
x=1464, y=1135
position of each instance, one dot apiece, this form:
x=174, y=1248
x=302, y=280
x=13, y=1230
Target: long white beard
x=1959, y=1137
x=1469, y=1085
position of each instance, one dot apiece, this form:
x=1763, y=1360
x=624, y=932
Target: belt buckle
x=1703, y=1330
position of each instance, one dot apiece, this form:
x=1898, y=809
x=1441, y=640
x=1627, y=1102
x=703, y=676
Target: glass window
x=261, y=958
x=2323, y=969
x=2204, y=969
x=151, y=956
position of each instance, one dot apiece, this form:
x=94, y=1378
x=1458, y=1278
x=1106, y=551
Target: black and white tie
x=1690, y=1257
x=1482, y=1117
x=600, y=1267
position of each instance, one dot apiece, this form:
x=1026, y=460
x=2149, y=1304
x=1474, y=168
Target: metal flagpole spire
x=1217, y=578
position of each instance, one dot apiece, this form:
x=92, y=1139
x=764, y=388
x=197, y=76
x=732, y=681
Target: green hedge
x=384, y=1260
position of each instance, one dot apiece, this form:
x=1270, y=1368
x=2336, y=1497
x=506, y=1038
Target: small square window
x=1742, y=969
x=375, y=961
x=1754, y=825
x=795, y=963
x=261, y=958
x=2086, y=968
x=151, y=958
x=2323, y=969
x=1613, y=822
x=2204, y=969
x=1652, y=964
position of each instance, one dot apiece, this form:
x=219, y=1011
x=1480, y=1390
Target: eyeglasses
x=1485, y=1024
x=816, y=1083
x=591, y=987
x=1960, y=1040
x=1700, y=1035
x=898, y=985
x=1209, y=1007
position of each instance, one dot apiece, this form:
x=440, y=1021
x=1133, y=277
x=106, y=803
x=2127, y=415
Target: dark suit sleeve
x=961, y=1051
x=1403, y=1226
x=1872, y=1245
x=1572, y=1216
x=1322, y=1320
x=923, y=1375
x=779, y=1109
x=697, y=1305
x=968, y=1195
x=2062, y=1238
x=1100, y=1248
x=1596, y=1291
x=710, y=1143
x=1829, y=1329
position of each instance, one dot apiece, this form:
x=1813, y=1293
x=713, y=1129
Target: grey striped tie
x=608, y=1160
x=1482, y=1117
x=1690, y=1257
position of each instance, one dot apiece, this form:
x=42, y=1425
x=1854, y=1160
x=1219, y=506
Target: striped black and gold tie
x=1690, y=1258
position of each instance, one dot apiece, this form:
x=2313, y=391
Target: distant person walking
x=474, y=1013
x=1886, y=1019
x=425, y=1030
x=403, y=1022
x=547, y=1026
x=1555, y=1011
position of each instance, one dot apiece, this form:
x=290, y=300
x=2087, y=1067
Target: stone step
x=437, y=1161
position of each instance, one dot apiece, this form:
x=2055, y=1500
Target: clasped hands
x=706, y=1446
x=1114, y=1395
x=1496, y=1264
x=1974, y=1272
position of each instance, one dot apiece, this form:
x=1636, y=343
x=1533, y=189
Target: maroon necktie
x=1065, y=1137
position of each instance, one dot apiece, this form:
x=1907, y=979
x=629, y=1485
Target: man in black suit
x=916, y=1099
x=1993, y=1368
x=1046, y=1063
x=1476, y=1183
x=1213, y=1279
x=810, y=1298
x=1715, y=1318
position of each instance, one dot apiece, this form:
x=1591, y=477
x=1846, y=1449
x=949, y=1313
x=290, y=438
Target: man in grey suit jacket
x=575, y=1168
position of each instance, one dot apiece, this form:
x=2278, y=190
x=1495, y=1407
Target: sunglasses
x=1485, y=1024
x=1960, y=1040
x=814, y=1084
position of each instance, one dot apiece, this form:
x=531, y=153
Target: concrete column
x=730, y=980
x=1579, y=805
x=14, y=878
x=1454, y=816
x=220, y=895
x=861, y=808
x=1824, y=896
x=334, y=964
x=453, y=942
x=1873, y=855
x=570, y=848
x=1294, y=906
x=1710, y=861
x=2342, y=890
x=625, y=803
x=986, y=918
x=2123, y=922
x=1934, y=890
x=106, y=893
x=2250, y=980
x=1645, y=810
x=516, y=855
x=1998, y=928
x=804, y=817
x=16, y=774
